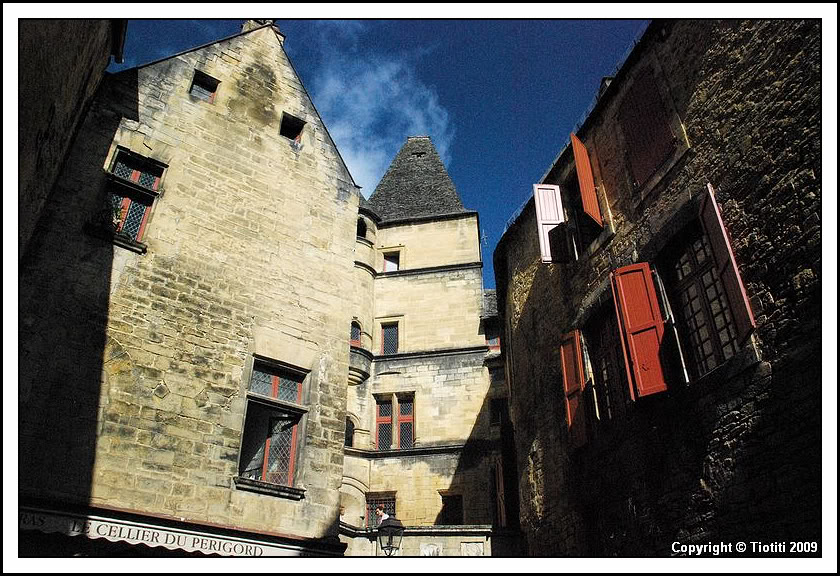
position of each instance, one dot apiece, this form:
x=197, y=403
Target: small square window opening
x=204, y=87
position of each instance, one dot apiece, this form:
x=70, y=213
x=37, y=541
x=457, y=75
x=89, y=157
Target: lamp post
x=390, y=535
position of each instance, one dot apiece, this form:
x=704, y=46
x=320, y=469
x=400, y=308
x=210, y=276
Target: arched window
x=361, y=228
x=348, y=433
x=355, y=334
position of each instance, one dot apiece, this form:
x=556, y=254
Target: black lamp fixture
x=390, y=535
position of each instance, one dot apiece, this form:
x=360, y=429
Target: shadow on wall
x=64, y=285
x=733, y=456
x=487, y=496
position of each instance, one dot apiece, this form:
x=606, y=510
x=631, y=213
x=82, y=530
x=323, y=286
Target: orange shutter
x=549, y=209
x=727, y=268
x=571, y=362
x=642, y=328
x=588, y=196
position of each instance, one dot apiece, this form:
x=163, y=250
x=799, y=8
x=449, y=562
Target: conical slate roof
x=415, y=185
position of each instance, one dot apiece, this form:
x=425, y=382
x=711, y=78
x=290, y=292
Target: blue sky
x=498, y=97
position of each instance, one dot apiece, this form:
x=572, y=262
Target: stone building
x=225, y=350
x=660, y=298
x=54, y=95
x=183, y=320
x=426, y=396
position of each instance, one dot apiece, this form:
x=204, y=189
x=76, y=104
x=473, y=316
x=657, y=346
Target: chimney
x=256, y=23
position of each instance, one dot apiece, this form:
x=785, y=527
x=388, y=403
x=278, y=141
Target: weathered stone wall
x=431, y=243
x=436, y=310
x=61, y=63
x=132, y=385
x=734, y=456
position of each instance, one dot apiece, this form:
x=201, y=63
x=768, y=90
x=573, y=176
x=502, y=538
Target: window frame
x=274, y=408
x=401, y=399
x=356, y=341
x=124, y=189
x=389, y=324
x=374, y=498
x=679, y=246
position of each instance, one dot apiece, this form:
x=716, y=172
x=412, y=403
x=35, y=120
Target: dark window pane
x=406, y=434
x=390, y=338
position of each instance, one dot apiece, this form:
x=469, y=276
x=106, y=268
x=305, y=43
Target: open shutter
x=588, y=196
x=727, y=268
x=642, y=328
x=549, y=215
x=500, y=492
x=571, y=363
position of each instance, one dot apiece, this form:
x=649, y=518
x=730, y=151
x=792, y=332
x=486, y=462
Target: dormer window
x=204, y=87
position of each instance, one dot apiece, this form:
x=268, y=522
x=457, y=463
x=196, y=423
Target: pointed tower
x=416, y=185
x=422, y=441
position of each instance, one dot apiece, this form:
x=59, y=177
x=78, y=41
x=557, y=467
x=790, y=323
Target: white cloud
x=372, y=102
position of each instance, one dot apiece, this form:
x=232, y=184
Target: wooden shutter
x=588, y=196
x=727, y=268
x=642, y=328
x=571, y=362
x=500, y=492
x=645, y=125
x=549, y=208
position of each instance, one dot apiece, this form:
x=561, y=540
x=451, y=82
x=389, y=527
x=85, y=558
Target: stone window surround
x=682, y=145
x=400, y=322
x=103, y=229
x=395, y=400
x=293, y=492
x=399, y=250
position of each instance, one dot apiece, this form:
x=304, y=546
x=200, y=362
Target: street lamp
x=390, y=535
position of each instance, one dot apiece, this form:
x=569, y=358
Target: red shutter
x=642, y=327
x=549, y=208
x=727, y=268
x=571, y=362
x=588, y=196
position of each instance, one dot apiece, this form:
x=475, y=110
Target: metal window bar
x=390, y=508
x=390, y=339
x=279, y=465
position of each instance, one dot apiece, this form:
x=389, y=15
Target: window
x=585, y=222
x=361, y=228
x=204, y=87
x=134, y=185
x=395, y=411
x=349, y=429
x=647, y=131
x=355, y=334
x=390, y=338
x=491, y=336
x=389, y=503
x=498, y=411
x=272, y=423
x=452, y=510
x=384, y=423
x=391, y=262
x=603, y=349
x=700, y=305
x=405, y=421
x=713, y=312
x=291, y=127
